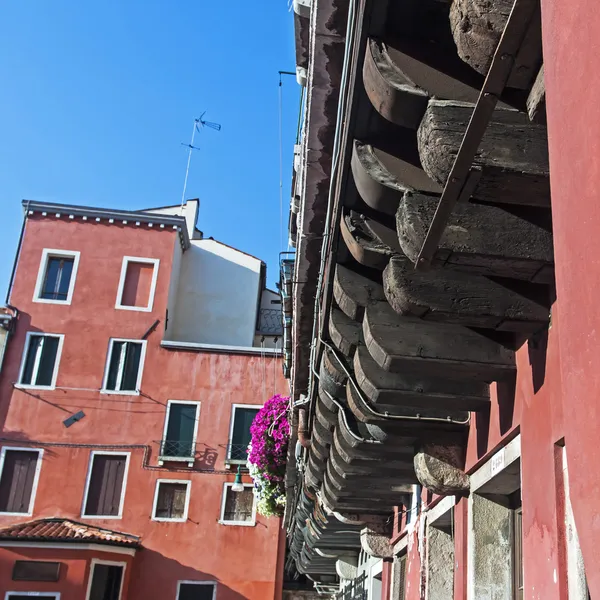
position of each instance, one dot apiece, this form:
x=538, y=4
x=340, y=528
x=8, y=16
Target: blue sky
x=96, y=97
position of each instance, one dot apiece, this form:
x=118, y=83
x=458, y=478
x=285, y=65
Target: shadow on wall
x=216, y=298
x=156, y=576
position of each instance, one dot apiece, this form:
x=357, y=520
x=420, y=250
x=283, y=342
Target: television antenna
x=199, y=123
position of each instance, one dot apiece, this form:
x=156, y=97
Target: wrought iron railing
x=237, y=453
x=355, y=590
x=177, y=449
x=270, y=321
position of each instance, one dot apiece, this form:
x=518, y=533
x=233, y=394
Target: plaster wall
x=440, y=564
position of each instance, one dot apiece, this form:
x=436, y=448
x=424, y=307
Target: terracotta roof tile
x=65, y=530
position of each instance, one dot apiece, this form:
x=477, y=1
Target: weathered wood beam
x=462, y=298
x=420, y=391
x=477, y=26
x=479, y=238
x=367, y=466
x=344, y=332
x=401, y=344
x=370, y=242
x=353, y=292
x=512, y=156
x=332, y=379
x=382, y=178
x=536, y=101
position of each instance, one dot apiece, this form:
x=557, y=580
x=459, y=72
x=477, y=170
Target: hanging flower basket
x=267, y=454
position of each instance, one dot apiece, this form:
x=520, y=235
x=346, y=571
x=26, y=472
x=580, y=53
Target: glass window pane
x=113, y=368
x=47, y=361
x=133, y=352
x=57, y=278
x=34, y=343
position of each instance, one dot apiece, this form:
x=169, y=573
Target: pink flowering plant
x=267, y=455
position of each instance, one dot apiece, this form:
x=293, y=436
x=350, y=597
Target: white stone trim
x=220, y=349
x=440, y=509
x=70, y=546
x=10, y=595
x=55, y=253
x=501, y=459
x=137, y=259
x=36, y=476
x=222, y=520
x=98, y=561
x=88, y=477
x=188, y=493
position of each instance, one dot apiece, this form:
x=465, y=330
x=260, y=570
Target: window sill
x=164, y=520
x=50, y=301
x=16, y=514
x=112, y=517
x=238, y=523
x=28, y=386
x=120, y=392
x=134, y=308
x=181, y=459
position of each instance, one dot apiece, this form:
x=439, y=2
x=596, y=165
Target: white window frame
x=48, y=253
x=188, y=493
x=138, y=385
x=166, y=426
x=110, y=563
x=88, y=479
x=190, y=582
x=52, y=386
x=222, y=520
x=137, y=259
x=36, y=477
x=9, y=595
x=234, y=407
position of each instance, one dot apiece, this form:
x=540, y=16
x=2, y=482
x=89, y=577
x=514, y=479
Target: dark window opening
x=40, y=360
x=196, y=591
x=106, y=582
x=124, y=366
x=35, y=570
x=105, y=485
x=181, y=426
x=16, y=482
x=240, y=437
x=57, y=278
x=170, y=503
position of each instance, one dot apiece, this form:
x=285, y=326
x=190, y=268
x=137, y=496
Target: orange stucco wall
x=244, y=560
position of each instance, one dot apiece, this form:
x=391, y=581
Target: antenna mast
x=198, y=123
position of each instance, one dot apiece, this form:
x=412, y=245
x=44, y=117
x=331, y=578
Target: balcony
x=176, y=451
x=355, y=590
x=237, y=454
x=270, y=322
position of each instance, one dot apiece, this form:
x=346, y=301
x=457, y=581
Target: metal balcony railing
x=237, y=453
x=355, y=590
x=177, y=449
x=270, y=322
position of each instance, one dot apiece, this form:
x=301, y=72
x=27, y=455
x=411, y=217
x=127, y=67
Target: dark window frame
x=205, y=584
x=24, y=565
x=59, y=293
x=36, y=359
x=157, y=500
x=251, y=522
x=111, y=565
x=35, y=475
x=236, y=452
x=88, y=511
x=120, y=381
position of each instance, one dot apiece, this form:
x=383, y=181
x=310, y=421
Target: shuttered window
x=35, y=570
x=196, y=591
x=17, y=480
x=171, y=500
x=238, y=507
x=40, y=360
x=124, y=366
x=105, y=486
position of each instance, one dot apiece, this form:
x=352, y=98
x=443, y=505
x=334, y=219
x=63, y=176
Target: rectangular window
x=124, y=366
x=179, y=436
x=171, y=500
x=28, y=595
x=39, y=366
x=196, y=590
x=56, y=276
x=239, y=436
x=35, y=570
x=106, y=580
x=19, y=474
x=137, y=283
x=105, y=489
x=238, y=508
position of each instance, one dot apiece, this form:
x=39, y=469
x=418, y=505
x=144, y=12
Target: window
x=196, y=590
x=137, y=283
x=171, y=500
x=237, y=508
x=179, y=435
x=56, y=277
x=39, y=366
x=35, y=570
x=105, y=486
x=239, y=435
x=19, y=475
x=124, y=366
x=28, y=595
x=106, y=580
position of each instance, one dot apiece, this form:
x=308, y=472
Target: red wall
x=200, y=548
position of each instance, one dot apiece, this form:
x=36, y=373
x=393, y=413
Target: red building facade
x=120, y=442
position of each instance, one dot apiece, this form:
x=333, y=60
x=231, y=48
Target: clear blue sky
x=96, y=97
